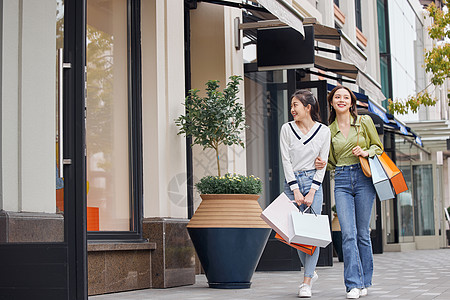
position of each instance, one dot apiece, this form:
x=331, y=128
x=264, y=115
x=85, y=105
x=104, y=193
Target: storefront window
x=405, y=208
x=107, y=138
x=416, y=205
x=424, y=199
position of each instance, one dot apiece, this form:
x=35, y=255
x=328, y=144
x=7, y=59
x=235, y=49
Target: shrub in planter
x=229, y=184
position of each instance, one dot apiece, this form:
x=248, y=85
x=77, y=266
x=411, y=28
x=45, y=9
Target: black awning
x=335, y=66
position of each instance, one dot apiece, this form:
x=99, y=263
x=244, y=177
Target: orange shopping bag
x=394, y=173
x=304, y=248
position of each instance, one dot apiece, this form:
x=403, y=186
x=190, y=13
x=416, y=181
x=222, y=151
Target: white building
x=408, y=26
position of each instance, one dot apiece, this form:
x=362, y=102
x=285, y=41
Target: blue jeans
x=304, y=180
x=354, y=194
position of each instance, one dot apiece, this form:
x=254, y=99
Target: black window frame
x=134, y=74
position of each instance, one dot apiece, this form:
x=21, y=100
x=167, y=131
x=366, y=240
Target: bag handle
x=359, y=129
x=364, y=133
x=309, y=207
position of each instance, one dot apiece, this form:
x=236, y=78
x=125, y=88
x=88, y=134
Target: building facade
x=95, y=180
x=415, y=219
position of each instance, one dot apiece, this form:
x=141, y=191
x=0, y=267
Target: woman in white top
x=301, y=142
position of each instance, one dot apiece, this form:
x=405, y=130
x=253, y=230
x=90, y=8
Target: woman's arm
x=286, y=159
x=331, y=158
x=323, y=154
x=373, y=142
x=320, y=173
x=287, y=165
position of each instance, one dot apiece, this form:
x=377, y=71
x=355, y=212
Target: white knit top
x=299, y=151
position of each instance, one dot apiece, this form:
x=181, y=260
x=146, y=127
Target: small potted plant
x=226, y=229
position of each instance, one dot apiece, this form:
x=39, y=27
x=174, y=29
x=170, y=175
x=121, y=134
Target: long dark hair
x=306, y=97
x=353, y=111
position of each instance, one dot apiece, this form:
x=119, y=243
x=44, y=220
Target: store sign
x=285, y=48
x=376, y=110
x=419, y=141
x=402, y=128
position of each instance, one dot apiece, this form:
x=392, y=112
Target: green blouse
x=341, y=147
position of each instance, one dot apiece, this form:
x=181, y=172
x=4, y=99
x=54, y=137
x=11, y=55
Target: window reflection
x=107, y=116
x=405, y=203
x=424, y=204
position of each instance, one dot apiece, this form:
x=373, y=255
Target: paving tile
x=397, y=275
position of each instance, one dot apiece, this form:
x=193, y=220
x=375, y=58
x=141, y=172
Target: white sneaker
x=304, y=291
x=363, y=292
x=354, y=293
x=314, y=278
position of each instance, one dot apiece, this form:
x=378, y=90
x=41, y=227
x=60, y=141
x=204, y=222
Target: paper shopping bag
x=310, y=229
x=380, y=180
x=277, y=215
x=394, y=173
x=304, y=248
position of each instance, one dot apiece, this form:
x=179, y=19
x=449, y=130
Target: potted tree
x=226, y=229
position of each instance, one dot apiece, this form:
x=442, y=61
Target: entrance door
x=267, y=109
x=43, y=232
x=319, y=89
x=405, y=206
x=423, y=178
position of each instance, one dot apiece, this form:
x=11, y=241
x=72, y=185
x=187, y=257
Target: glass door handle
x=61, y=66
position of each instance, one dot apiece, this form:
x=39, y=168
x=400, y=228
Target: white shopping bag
x=310, y=229
x=278, y=216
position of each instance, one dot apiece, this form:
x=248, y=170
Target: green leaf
x=437, y=62
x=216, y=119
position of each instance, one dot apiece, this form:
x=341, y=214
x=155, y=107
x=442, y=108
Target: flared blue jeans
x=304, y=180
x=354, y=194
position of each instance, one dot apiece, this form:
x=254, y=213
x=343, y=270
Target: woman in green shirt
x=354, y=192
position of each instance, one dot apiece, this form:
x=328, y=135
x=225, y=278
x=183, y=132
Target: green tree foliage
x=436, y=61
x=215, y=119
x=100, y=89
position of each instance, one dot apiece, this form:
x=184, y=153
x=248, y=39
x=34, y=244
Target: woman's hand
x=357, y=151
x=320, y=163
x=298, y=197
x=309, y=198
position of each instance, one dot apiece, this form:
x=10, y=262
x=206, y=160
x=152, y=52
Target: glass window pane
x=32, y=196
x=405, y=208
x=381, y=15
x=384, y=73
x=267, y=110
x=358, y=14
x=59, y=45
x=107, y=116
x=424, y=199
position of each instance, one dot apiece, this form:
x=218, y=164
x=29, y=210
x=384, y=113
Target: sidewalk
x=420, y=274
